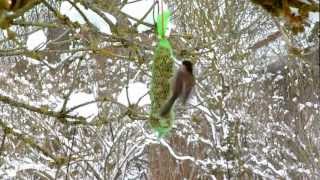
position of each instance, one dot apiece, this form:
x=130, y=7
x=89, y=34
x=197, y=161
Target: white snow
x=278, y=78
x=36, y=40
x=16, y=166
x=309, y=104
x=301, y=106
x=137, y=91
x=71, y=12
x=88, y=111
x=314, y=17
x=33, y=61
x=138, y=10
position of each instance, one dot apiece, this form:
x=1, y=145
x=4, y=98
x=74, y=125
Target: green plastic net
x=162, y=70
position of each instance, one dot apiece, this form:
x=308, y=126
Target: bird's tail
x=167, y=107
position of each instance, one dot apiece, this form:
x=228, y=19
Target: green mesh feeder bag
x=162, y=70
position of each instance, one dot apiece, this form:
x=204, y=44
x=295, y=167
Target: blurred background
x=75, y=79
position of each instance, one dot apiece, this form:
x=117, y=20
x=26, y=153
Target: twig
x=59, y=115
x=27, y=140
x=69, y=156
x=2, y=142
x=274, y=36
x=145, y=15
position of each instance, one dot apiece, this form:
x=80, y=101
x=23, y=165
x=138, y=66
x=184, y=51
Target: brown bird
x=181, y=86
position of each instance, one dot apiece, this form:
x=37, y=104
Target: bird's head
x=188, y=65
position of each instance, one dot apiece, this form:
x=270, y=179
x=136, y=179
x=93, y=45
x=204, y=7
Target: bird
x=182, y=85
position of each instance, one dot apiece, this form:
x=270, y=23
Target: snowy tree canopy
x=75, y=81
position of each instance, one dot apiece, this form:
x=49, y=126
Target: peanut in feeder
x=162, y=70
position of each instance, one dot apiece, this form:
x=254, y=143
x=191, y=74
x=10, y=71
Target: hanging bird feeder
x=162, y=70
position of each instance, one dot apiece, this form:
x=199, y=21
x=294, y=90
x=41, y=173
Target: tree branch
x=274, y=36
x=60, y=115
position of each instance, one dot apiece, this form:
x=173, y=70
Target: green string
x=162, y=23
x=162, y=131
